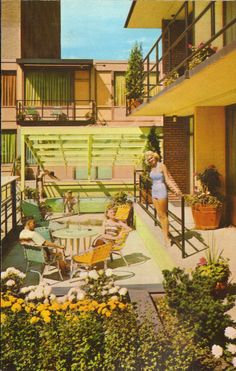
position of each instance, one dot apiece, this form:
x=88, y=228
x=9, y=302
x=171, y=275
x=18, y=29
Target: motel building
x=70, y=118
x=70, y=133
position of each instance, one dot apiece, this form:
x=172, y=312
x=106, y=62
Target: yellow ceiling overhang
x=93, y=146
x=211, y=83
x=149, y=13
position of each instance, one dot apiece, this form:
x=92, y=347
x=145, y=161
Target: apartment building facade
x=197, y=87
x=66, y=115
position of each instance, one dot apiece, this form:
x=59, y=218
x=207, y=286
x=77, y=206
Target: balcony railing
x=157, y=59
x=57, y=111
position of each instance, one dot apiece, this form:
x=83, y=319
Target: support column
x=22, y=170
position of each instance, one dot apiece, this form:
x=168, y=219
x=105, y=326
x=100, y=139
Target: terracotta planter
x=206, y=216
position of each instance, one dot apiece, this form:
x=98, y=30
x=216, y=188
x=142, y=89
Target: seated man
x=69, y=202
x=29, y=236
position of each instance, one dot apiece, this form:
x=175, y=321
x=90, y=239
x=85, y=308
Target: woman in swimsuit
x=160, y=178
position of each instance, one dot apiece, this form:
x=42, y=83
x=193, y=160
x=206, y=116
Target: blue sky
x=95, y=29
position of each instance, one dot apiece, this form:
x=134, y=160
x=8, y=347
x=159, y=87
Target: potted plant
x=216, y=268
x=206, y=202
x=134, y=77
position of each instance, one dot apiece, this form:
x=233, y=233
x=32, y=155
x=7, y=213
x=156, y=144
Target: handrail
x=179, y=240
x=56, y=110
x=183, y=65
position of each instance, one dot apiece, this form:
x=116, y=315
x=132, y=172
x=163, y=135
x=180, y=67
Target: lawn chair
x=92, y=256
x=124, y=213
x=45, y=232
x=119, y=244
x=31, y=210
x=36, y=254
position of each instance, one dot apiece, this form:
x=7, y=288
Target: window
x=52, y=87
x=119, y=89
x=8, y=88
x=97, y=173
x=8, y=142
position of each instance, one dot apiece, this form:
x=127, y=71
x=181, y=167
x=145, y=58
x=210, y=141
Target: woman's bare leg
x=161, y=207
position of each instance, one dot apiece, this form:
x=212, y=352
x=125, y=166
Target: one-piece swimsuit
x=159, y=189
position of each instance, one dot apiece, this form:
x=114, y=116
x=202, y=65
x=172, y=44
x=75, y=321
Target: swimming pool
x=85, y=205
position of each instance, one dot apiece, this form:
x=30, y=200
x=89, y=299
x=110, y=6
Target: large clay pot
x=206, y=216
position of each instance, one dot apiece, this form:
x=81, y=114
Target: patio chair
x=31, y=210
x=35, y=254
x=119, y=244
x=45, y=232
x=124, y=213
x=92, y=256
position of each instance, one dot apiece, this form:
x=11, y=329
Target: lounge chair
x=119, y=244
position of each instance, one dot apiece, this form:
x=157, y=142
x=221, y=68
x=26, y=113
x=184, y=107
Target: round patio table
x=72, y=238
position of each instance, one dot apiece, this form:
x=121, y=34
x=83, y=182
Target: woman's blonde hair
x=151, y=154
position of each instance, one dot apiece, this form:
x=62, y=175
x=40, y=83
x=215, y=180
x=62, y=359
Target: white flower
x=230, y=333
x=80, y=295
x=73, y=290
x=114, y=297
x=108, y=272
x=83, y=275
x=32, y=295
x=113, y=290
x=4, y=275
x=12, y=270
x=123, y=291
x=104, y=292
x=100, y=272
x=71, y=297
x=39, y=293
x=231, y=348
x=24, y=290
x=62, y=299
x=47, y=290
x=234, y=361
x=22, y=275
x=217, y=351
x=10, y=283
x=45, y=301
x=52, y=297
x=93, y=274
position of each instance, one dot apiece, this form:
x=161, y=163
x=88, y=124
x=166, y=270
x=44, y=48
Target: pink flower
x=202, y=261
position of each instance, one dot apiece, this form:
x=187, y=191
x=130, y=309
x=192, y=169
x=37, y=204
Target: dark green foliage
x=210, y=180
x=193, y=299
x=134, y=77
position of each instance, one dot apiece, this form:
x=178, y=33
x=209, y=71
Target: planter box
x=206, y=216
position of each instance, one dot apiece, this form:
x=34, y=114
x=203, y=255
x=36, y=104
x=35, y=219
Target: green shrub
x=192, y=298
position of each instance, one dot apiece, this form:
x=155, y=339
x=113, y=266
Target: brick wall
x=177, y=150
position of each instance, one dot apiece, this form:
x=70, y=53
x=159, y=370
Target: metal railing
x=10, y=208
x=142, y=196
x=153, y=62
x=56, y=110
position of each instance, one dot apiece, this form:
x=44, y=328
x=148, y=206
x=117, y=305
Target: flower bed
x=93, y=327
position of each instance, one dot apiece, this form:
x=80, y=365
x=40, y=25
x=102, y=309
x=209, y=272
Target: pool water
x=85, y=205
